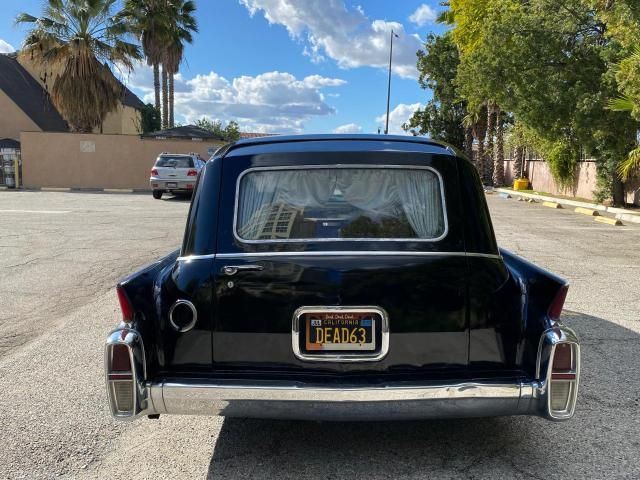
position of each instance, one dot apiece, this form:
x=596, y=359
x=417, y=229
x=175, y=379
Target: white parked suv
x=175, y=173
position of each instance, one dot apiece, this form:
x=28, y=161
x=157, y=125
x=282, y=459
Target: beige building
x=25, y=105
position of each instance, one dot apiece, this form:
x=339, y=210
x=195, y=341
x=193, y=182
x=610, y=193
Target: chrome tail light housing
x=125, y=373
x=558, y=371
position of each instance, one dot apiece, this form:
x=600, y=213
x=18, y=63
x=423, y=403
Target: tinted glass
x=175, y=162
x=340, y=203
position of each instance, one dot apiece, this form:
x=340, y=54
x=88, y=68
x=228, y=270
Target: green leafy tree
x=231, y=132
x=80, y=39
x=151, y=118
x=443, y=115
x=549, y=63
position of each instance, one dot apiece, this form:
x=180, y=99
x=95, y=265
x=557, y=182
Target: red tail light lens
x=563, y=358
x=154, y=172
x=555, y=309
x=125, y=305
x=120, y=361
x=192, y=173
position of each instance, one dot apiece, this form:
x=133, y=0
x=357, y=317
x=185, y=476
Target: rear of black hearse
x=447, y=324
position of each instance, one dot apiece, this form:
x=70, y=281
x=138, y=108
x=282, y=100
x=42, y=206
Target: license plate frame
x=307, y=348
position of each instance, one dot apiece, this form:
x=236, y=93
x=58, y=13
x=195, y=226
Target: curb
x=551, y=204
x=609, y=221
x=587, y=211
x=86, y=190
x=620, y=213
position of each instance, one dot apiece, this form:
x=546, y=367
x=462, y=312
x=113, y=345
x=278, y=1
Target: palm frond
x=630, y=165
x=622, y=104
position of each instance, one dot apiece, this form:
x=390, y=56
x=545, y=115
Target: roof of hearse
x=270, y=144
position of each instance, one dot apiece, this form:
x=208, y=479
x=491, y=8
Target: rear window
x=175, y=162
x=340, y=204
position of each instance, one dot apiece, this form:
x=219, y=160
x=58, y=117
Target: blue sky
x=289, y=65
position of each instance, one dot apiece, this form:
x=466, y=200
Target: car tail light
x=120, y=381
x=563, y=385
x=125, y=305
x=154, y=172
x=555, y=309
x=192, y=173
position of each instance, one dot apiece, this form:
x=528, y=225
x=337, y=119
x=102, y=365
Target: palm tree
x=183, y=24
x=149, y=19
x=487, y=171
x=498, y=154
x=632, y=162
x=80, y=39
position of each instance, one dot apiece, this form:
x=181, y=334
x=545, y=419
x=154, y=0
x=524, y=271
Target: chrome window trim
x=338, y=166
x=193, y=321
x=329, y=253
x=340, y=357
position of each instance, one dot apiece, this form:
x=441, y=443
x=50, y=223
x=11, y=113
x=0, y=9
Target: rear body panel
x=421, y=284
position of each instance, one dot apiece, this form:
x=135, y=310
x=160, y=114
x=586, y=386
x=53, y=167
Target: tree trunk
x=468, y=142
x=165, y=99
x=498, y=154
x=171, y=119
x=487, y=172
x=156, y=84
x=618, y=191
x=518, y=162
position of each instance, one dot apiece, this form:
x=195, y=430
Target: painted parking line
x=53, y=212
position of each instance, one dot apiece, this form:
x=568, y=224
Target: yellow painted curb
x=55, y=189
x=117, y=190
x=587, y=211
x=609, y=221
x=552, y=204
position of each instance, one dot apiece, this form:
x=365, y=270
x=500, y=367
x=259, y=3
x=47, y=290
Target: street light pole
x=386, y=128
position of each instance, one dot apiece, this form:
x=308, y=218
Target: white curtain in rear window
x=411, y=195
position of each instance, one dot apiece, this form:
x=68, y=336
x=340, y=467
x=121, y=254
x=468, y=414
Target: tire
x=157, y=194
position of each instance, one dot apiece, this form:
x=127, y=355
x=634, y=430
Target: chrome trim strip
x=328, y=253
x=194, y=313
x=330, y=167
x=340, y=357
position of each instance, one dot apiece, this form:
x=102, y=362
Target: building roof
x=29, y=96
x=184, y=132
x=130, y=99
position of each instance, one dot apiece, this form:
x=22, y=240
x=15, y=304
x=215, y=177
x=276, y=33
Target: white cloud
x=6, y=47
x=424, y=14
x=330, y=29
x=398, y=116
x=348, y=128
x=270, y=102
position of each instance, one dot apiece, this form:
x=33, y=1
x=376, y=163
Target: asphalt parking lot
x=61, y=254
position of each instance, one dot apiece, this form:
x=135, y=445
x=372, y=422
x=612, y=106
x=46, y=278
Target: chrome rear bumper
x=310, y=401
x=294, y=400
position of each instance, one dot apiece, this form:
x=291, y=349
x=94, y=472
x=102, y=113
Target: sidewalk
x=631, y=216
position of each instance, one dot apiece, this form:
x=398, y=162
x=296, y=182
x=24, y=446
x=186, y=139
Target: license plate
x=172, y=185
x=335, y=331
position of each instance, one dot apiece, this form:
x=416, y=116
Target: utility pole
x=386, y=128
